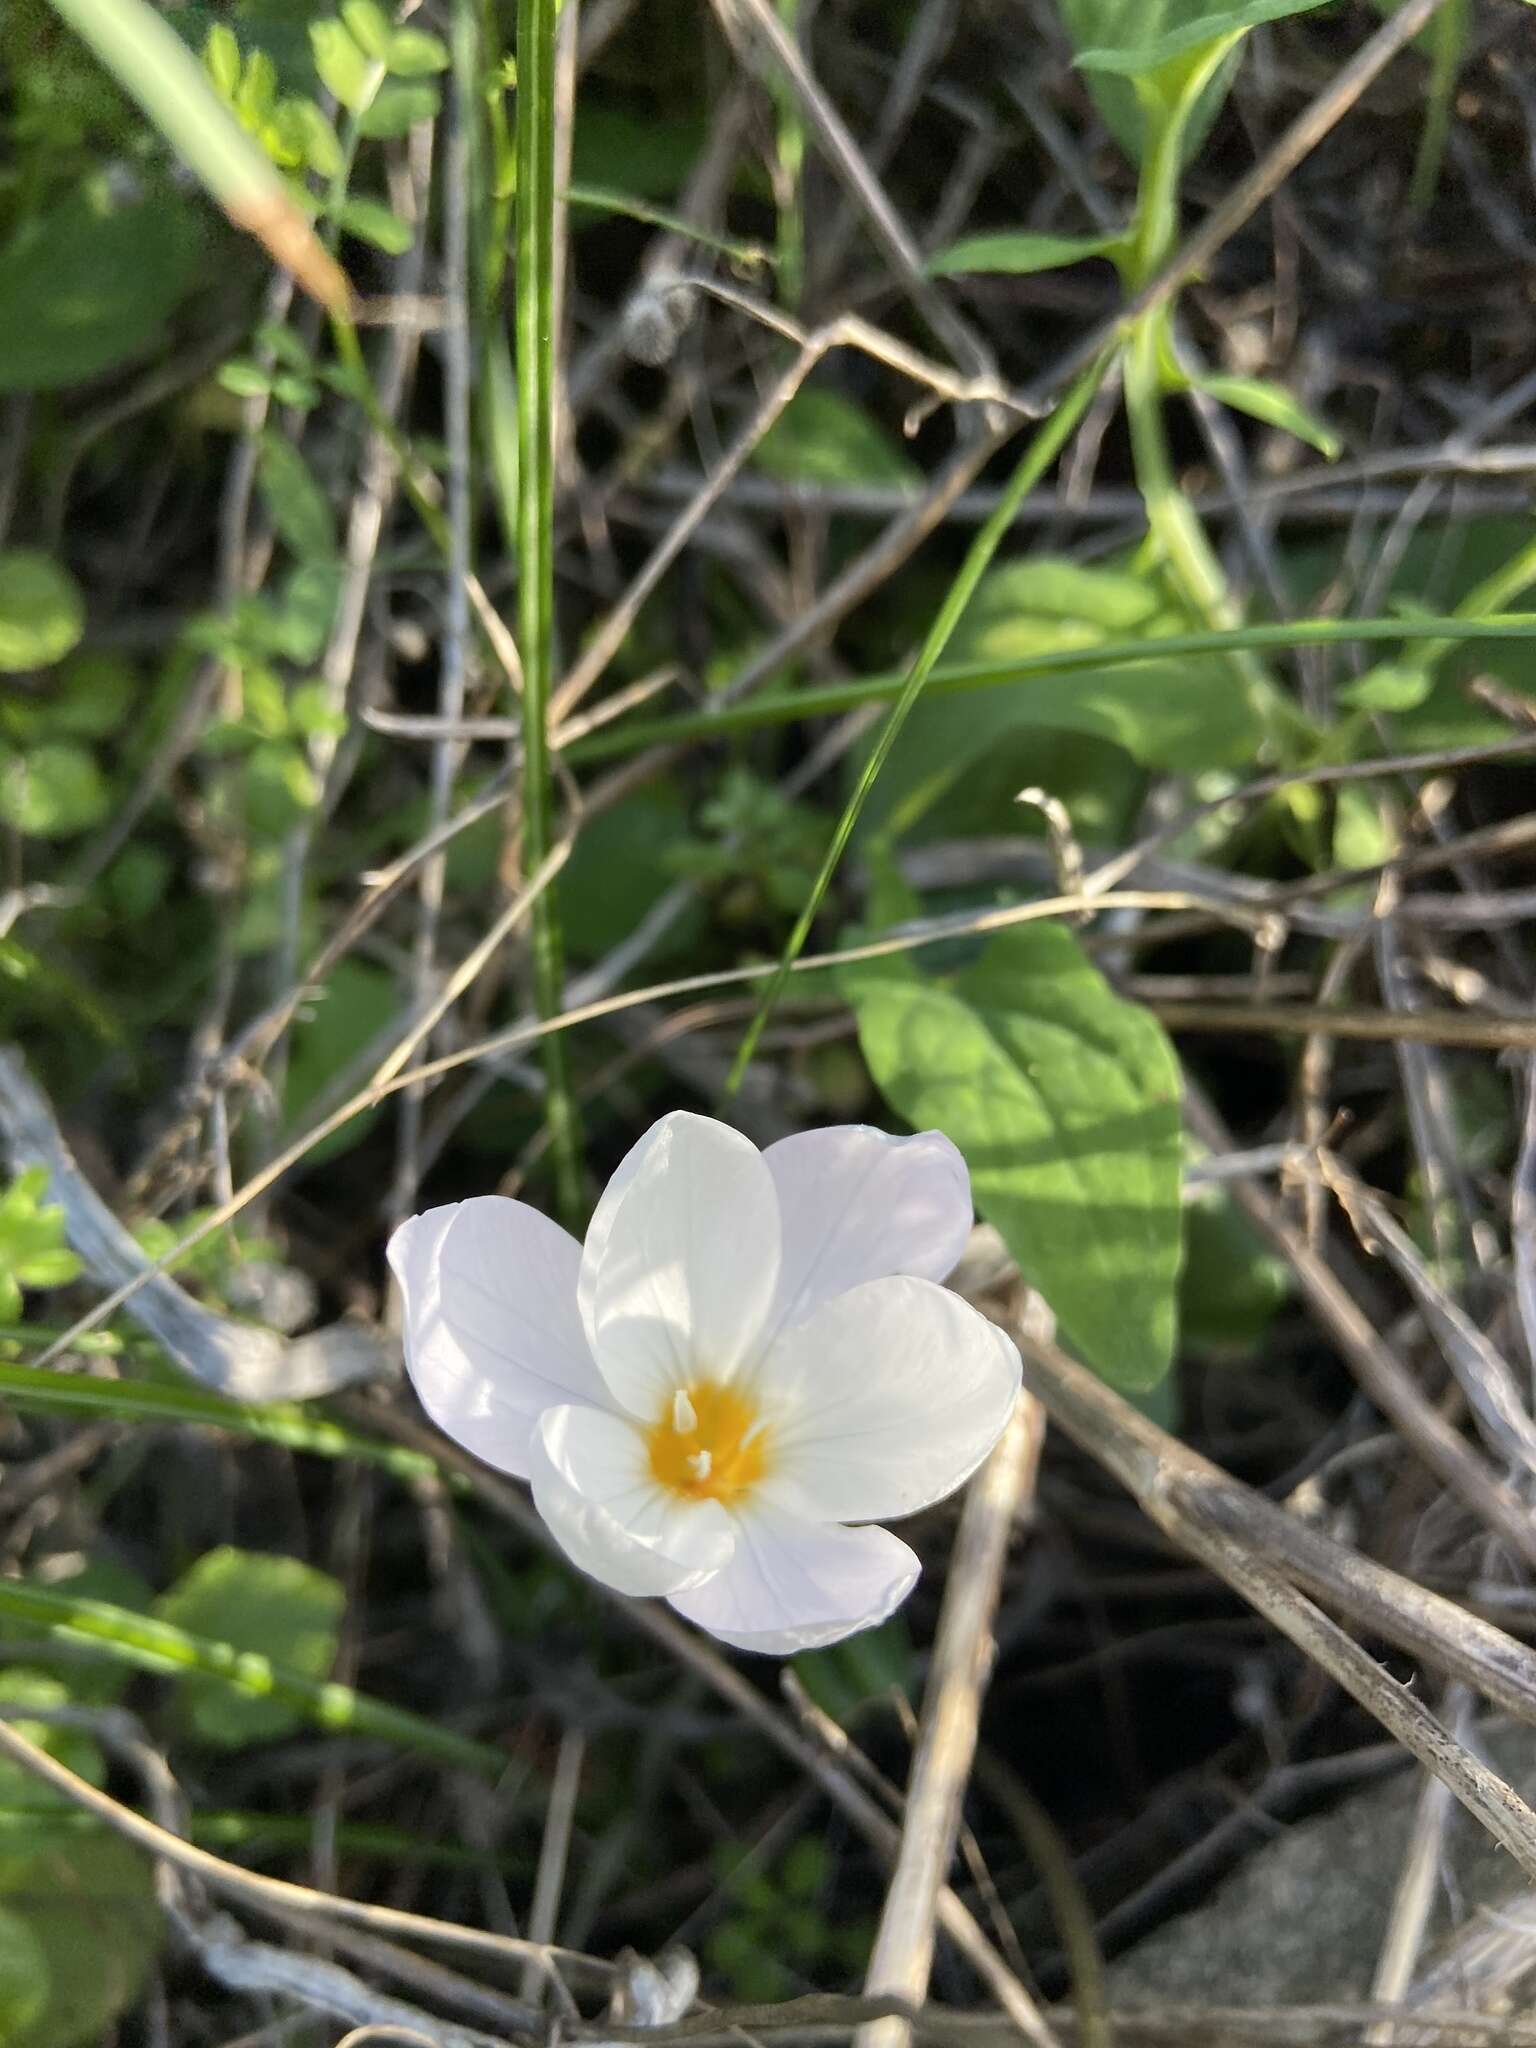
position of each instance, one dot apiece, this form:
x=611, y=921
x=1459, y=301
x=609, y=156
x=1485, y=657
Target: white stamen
x=699, y=1464
x=684, y=1416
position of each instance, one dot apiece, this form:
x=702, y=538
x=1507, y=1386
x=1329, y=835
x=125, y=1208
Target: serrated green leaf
x=54, y=791
x=371, y=221
x=824, y=438
x=344, y=70
x=1273, y=404
x=1020, y=253
x=42, y=613
x=274, y=1606
x=397, y=107
x=1064, y=1101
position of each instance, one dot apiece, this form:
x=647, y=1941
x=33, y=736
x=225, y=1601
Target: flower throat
x=709, y=1444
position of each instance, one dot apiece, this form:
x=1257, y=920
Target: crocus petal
x=492, y=1333
x=856, y=1204
x=680, y=1261
x=884, y=1400
x=794, y=1585
x=592, y=1485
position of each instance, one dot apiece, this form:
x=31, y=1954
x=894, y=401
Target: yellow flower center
x=709, y=1444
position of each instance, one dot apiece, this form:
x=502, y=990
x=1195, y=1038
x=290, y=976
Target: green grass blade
x=296, y=1426
x=536, y=345
x=1045, y=445
x=154, y=66
x=152, y=1645
x=827, y=700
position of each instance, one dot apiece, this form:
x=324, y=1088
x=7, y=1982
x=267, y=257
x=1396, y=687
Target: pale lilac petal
x=492, y=1333
x=680, y=1261
x=795, y=1585
x=883, y=1401
x=856, y=1204
x=592, y=1484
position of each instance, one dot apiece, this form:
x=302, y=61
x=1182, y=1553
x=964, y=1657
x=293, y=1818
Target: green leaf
x=25, y=1979
x=221, y=59
x=33, y=1249
x=1164, y=712
x=1388, y=686
x=1110, y=601
x=244, y=378
x=42, y=613
x=93, y=695
x=310, y=712
x=1443, y=566
x=89, y=1908
x=371, y=221
x=644, y=157
x=413, y=53
x=1232, y=1285
x=1137, y=36
x=53, y=792
x=358, y=1002
x=274, y=1606
x=823, y=438
x=308, y=137
x=280, y=788
x=344, y=70
x=84, y=289
x=20, y=1790
x=1138, y=110
x=370, y=27
x=1064, y=1101
x=1273, y=404
x=396, y=109
x=299, y=508
x=299, y=617
x=1020, y=253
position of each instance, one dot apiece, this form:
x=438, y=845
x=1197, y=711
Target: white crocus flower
x=749, y=1354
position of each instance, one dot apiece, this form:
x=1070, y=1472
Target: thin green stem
x=153, y=1645
x=1045, y=445
x=296, y=1426
x=536, y=344
x=1448, y=43
x=1175, y=527
x=633, y=736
